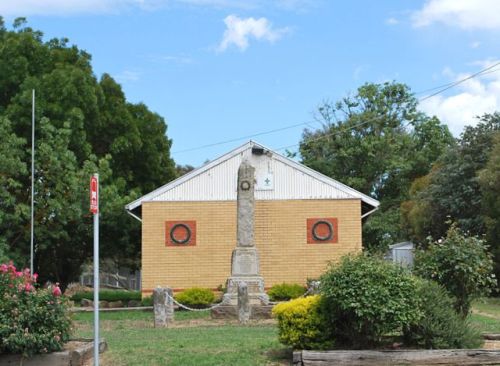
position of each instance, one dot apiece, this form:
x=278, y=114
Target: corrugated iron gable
x=216, y=181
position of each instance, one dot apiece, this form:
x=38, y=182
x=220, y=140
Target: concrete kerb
x=76, y=356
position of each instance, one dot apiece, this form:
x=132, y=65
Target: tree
x=84, y=125
x=452, y=191
x=14, y=209
x=459, y=263
x=376, y=142
x=489, y=180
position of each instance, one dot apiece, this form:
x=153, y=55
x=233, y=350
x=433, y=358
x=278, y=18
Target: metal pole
x=96, y=278
x=32, y=176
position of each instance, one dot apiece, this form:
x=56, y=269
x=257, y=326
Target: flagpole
x=32, y=176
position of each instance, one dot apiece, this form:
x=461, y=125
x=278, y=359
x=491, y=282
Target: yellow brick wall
x=280, y=237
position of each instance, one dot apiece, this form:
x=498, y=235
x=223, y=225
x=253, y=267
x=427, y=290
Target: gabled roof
x=325, y=187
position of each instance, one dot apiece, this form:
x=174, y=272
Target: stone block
x=86, y=303
x=115, y=304
x=134, y=303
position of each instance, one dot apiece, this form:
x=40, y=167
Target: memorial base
x=257, y=312
x=255, y=285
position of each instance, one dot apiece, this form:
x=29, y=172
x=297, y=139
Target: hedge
x=108, y=295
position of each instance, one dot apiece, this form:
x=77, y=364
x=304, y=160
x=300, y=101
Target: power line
x=459, y=82
x=241, y=138
x=442, y=88
x=452, y=83
x=446, y=87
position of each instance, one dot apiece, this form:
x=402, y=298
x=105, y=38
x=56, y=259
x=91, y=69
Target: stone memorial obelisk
x=245, y=258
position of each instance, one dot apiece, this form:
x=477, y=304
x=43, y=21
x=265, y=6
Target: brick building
x=303, y=220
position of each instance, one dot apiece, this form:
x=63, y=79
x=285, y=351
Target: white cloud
x=239, y=31
x=391, y=21
x=128, y=76
x=465, y=14
x=475, y=44
x=476, y=97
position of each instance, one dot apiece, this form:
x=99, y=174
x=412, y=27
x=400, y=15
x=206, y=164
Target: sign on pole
x=94, y=194
x=94, y=208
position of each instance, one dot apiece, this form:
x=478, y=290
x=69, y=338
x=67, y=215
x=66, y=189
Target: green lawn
x=195, y=339
x=486, y=315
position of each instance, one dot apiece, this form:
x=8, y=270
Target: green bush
x=462, y=265
x=196, y=297
x=365, y=298
x=31, y=321
x=440, y=326
x=108, y=295
x=147, y=301
x=300, y=324
x=286, y=291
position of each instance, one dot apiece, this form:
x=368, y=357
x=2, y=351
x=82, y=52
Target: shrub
x=440, y=326
x=300, y=323
x=366, y=298
x=196, y=297
x=462, y=265
x=31, y=321
x=108, y=295
x=147, y=301
x=286, y=291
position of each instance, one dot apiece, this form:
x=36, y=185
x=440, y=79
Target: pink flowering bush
x=32, y=320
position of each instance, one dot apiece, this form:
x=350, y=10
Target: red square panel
x=322, y=230
x=180, y=233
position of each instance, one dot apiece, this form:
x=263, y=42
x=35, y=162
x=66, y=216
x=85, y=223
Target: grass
x=486, y=315
x=194, y=339
x=132, y=315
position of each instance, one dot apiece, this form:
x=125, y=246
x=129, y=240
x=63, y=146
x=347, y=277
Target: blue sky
x=217, y=70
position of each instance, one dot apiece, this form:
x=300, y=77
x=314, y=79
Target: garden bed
x=463, y=357
x=75, y=353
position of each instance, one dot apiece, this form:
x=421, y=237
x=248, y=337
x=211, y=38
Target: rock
x=86, y=303
x=163, y=306
x=103, y=304
x=115, y=304
x=134, y=303
x=243, y=303
x=225, y=312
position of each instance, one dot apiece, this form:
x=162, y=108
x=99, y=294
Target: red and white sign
x=94, y=195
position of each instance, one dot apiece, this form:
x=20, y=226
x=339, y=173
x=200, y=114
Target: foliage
x=451, y=192
x=108, y=295
x=83, y=125
x=489, y=180
x=440, y=326
x=300, y=323
x=147, y=301
x=366, y=298
x=286, y=291
x=461, y=264
x=378, y=143
x=14, y=210
x=32, y=321
x=196, y=297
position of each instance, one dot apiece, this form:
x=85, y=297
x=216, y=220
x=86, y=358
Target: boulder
x=115, y=304
x=86, y=303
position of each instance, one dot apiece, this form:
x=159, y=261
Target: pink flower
x=28, y=287
x=56, y=291
x=35, y=276
x=3, y=268
x=19, y=274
